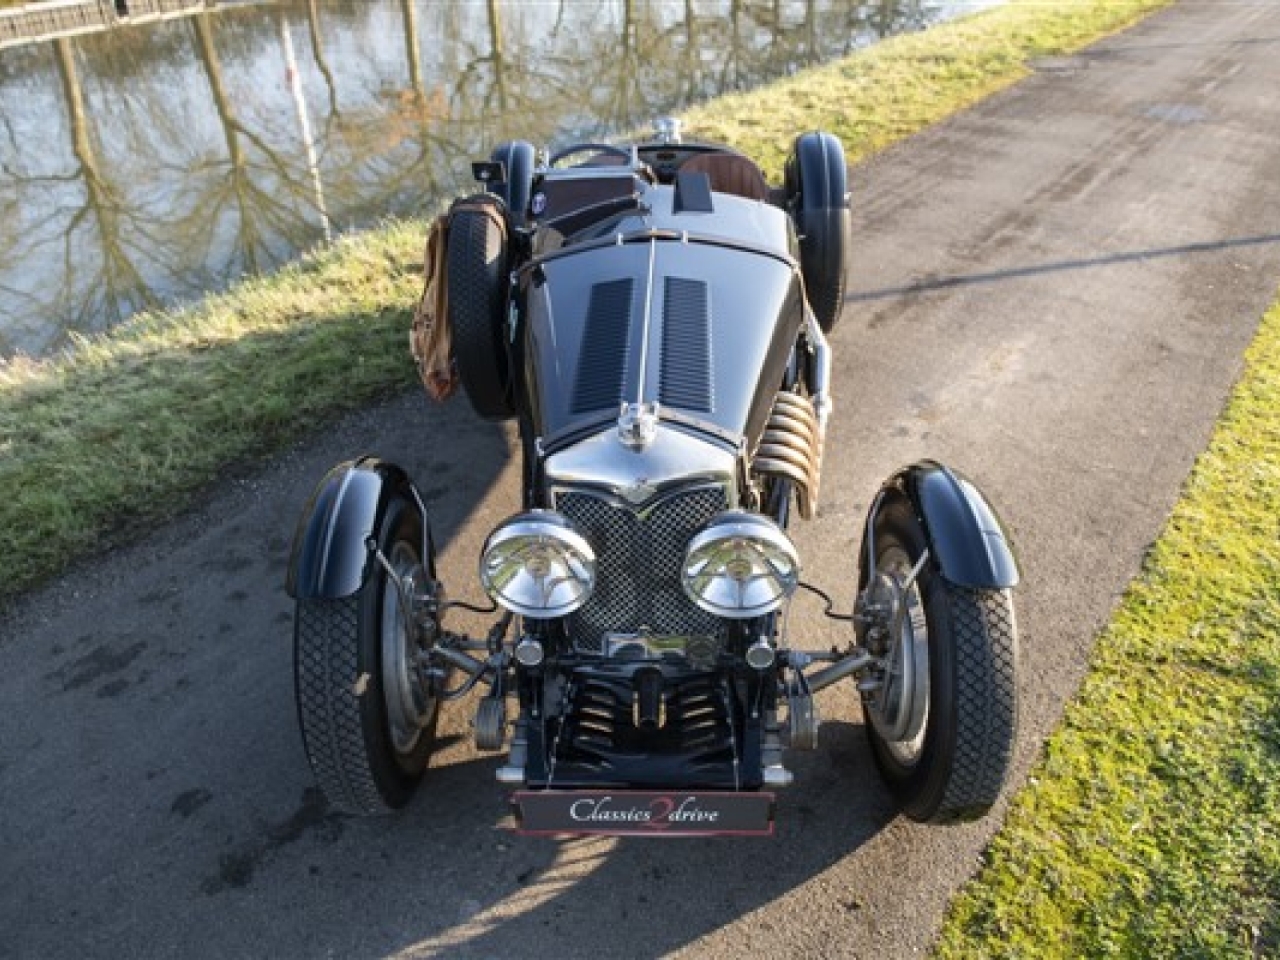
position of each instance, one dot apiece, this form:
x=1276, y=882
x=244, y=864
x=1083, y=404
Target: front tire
x=368, y=722
x=943, y=722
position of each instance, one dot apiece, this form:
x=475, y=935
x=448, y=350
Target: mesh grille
x=638, y=566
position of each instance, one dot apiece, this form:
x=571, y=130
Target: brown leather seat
x=729, y=173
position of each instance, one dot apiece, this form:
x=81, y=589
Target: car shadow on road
x=656, y=897
x=488, y=892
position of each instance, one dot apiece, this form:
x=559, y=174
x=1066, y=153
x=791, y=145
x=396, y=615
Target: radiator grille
x=638, y=566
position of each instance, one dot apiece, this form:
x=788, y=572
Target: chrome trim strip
x=822, y=403
x=642, y=510
x=643, y=370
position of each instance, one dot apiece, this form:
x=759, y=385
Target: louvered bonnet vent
x=610, y=336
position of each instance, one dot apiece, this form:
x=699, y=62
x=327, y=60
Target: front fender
x=966, y=539
x=331, y=557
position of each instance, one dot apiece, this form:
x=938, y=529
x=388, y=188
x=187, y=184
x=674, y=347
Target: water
x=151, y=164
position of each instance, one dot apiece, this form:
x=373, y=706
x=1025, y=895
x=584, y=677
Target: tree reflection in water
x=154, y=163
x=100, y=218
x=246, y=199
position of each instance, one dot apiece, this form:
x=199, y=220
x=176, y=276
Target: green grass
x=125, y=431
x=1151, y=826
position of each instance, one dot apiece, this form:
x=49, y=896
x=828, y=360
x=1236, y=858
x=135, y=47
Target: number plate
x=670, y=813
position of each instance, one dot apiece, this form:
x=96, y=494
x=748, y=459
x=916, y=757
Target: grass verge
x=127, y=429
x=1151, y=827
x=123, y=431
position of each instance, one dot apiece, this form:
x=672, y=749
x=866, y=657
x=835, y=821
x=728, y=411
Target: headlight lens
x=535, y=564
x=742, y=565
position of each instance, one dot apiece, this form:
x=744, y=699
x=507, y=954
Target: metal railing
x=37, y=22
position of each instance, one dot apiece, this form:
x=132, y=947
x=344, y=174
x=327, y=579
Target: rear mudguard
x=331, y=548
x=966, y=540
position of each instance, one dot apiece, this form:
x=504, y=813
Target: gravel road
x=1051, y=291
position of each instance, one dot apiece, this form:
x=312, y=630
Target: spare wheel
x=478, y=269
x=816, y=189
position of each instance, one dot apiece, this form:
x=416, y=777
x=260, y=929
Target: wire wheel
x=899, y=710
x=367, y=716
x=410, y=704
x=943, y=721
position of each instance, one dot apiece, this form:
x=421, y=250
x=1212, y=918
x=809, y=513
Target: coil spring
x=791, y=448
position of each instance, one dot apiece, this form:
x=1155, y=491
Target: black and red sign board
x=630, y=813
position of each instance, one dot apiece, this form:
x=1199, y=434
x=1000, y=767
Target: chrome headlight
x=742, y=565
x=535, y=564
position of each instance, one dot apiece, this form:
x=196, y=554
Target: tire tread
x=477, y=294
x=327, y=671
x=985, y=633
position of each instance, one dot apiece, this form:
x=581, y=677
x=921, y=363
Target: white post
x=304, y=123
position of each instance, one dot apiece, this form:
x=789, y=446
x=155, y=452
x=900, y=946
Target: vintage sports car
x=655, y=318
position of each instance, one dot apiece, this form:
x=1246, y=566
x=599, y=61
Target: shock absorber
x=789, y=448
x=794, y=437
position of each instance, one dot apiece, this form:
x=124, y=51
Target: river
x=150, y=164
